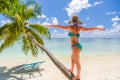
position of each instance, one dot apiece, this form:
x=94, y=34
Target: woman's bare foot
x=77, y=78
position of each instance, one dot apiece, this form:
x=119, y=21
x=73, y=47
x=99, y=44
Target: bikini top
x=72, y=34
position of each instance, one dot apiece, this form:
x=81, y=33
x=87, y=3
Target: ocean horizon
x=61, y=47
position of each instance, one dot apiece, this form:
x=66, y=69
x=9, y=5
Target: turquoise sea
x=62, y=47
x=90, y=46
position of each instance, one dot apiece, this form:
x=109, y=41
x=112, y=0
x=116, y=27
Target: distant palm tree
x=20, y=29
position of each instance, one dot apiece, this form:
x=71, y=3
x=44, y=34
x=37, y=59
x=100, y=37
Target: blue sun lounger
x=32, y=67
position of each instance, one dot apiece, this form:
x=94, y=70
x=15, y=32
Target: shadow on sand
x=10, y=74
x=6, y=74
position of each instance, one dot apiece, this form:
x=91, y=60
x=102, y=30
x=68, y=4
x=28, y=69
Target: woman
x=74, y=31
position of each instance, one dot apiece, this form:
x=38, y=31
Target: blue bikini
x=72, y=34
x=77, y=35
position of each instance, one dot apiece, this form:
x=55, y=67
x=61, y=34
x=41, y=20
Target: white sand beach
x=105, y=67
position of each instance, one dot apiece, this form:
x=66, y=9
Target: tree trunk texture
x=59, y=65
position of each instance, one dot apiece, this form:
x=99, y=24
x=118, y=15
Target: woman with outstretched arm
x=74, y=31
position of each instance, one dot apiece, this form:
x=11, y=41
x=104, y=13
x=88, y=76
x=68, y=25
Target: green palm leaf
x=30, y=2
x=25, y=46
x=3, y=30
x=41, y=30
x=18, y=19
x=4, y=5
x=35, y=35
x=29, y=14
x=19, y=13
x=10, y=38
x=9, y=33
x=19, y=28
x=37, y=9
x=28, y=45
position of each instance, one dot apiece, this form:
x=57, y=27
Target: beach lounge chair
x=30, y=68
x=32, y=65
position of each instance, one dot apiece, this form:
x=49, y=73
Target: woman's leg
x=77, y=61
x=78, y=67
x=72, y=63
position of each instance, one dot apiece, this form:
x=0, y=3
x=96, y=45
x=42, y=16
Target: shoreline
x=105, y=67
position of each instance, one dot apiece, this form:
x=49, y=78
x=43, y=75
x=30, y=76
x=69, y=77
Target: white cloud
x=42, y=16
x=115, y=19
x=113, y=32
x=49, y=21
x=112, y=13
x=116, y=25
x=76, y=6
x=88, y=18
x=46, y=22
x=94, y=34
x=100, y=26
x=66, y=21
x=55, y=31
x=64, y=34
x=97, y=3
x=54, y=20
x=116, y=28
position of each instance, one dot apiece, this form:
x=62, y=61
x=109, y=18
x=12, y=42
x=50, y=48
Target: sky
x=93, y=13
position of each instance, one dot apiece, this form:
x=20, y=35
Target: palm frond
x=4, y=30
x=41, y=29
x=28, y=45
x=30, y=2
x=19, y=13
x=25, y=46
x=29, y=13
x=18, y=19
x=8, y=6
x=4, y=6
x=15, y=29
x=35, y=35
x=9, y=41
x=37, y=10
x=10, y=34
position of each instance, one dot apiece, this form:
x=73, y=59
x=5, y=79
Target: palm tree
x=20, y=29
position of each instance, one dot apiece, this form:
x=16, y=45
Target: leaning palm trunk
x=62, y=68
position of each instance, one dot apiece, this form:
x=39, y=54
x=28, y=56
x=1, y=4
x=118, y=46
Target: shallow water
x=62, y=47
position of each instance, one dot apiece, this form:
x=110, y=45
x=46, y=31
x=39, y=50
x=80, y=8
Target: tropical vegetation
x=19, y=15
x=19, y=28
